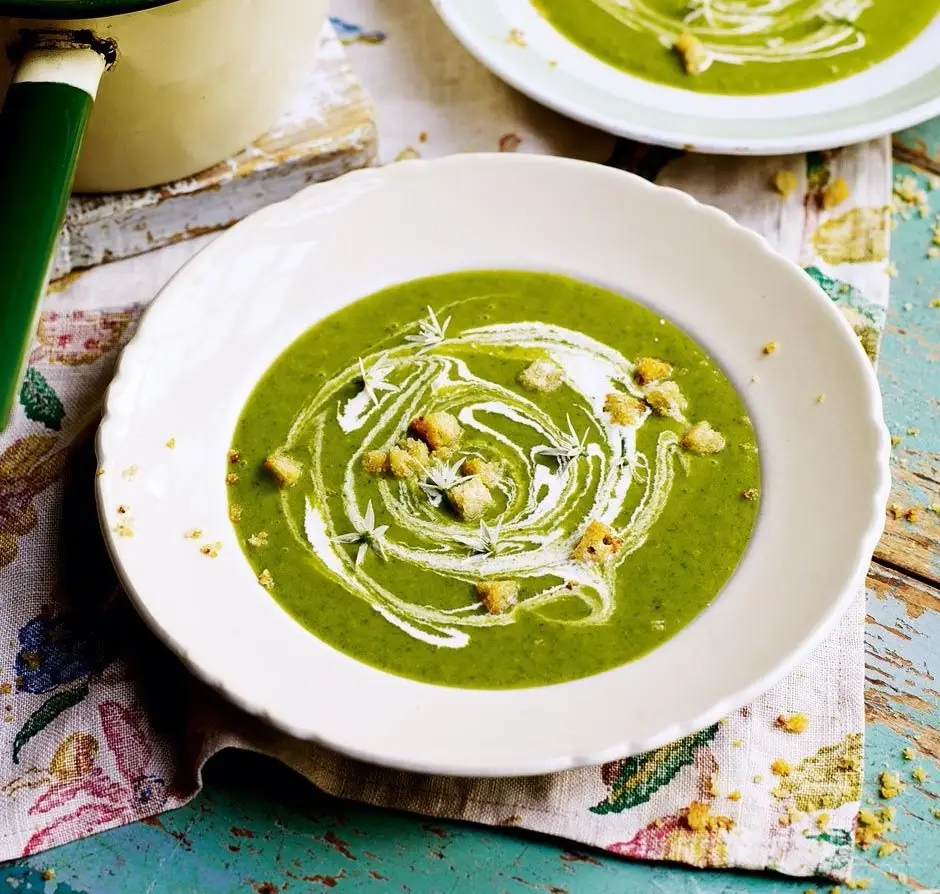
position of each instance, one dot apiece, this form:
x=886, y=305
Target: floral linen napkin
x=101, y=727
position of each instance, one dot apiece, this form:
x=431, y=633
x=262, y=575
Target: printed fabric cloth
x=102, y=727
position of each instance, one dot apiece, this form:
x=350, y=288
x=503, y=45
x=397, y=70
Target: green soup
x=750, y=46
x=379, y=546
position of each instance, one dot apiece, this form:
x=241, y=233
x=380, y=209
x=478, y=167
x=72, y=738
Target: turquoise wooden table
x=257, y=827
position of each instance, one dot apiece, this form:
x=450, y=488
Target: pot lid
x=74, y=9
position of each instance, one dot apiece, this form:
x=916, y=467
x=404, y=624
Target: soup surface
x=741, y=46
x=491, y=479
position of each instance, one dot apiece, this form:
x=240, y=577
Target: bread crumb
x=130, y=472
x=666, y=399
x=234, y=456
x=265, y=579
x=598, y=544
x=891, y=785
x=235, y=513
x=541, y=375
x=770, y=348
x=887, y=848
x=259, y=539
x=624, y=409
x=232, y=478
x=891, y=269
x=734, y=796
x=211, y=549
x=755, y=380
x=907, y=753
x=285, y=470
x=794, y=723
x=171, y=443
x=758, y=778
x=913, y=432
x=694, y=55
x=471, y=499
x=193, y=534
x=835, y=193
x=822, y=820
x=375, y=462
x=895, y=440
x=713, y=789
x=651, y=369
x=778, y=791
x=497, y=595
x=752, y=493
x=99, y=473
x=124, y=529
x=857, y=884
x=122, y=509
x=912, y=514
x=780, y=767
x=47, y=875
x=785, y=182
x=516, y=37
x=436, y=429
x=737, y=743
x=920, y=774
x=820, y=398
x=702, y=440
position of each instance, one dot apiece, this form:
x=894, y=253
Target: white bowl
x=900, y=91
x=224, y=318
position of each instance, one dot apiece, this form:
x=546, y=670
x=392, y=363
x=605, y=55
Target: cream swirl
x=740, y=31
x=557, y=476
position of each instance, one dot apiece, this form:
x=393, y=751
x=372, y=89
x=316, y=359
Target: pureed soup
x=494, y=479
x=740, y=46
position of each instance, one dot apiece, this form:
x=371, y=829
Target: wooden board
x=327, y=130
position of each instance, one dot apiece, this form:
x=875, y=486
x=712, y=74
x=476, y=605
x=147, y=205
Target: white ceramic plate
x=901, y=91
x=224, y=318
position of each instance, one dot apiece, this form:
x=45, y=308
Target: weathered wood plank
x=327, y=130
x=911, y=541
x=902, y=661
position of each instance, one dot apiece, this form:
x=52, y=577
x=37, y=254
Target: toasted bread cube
x=497, y=595
x=471, y=499
x=702, y=440
x=487, y=472
x=400, y=463
x=666, y=399
x=651, y=369
x=693, y=53
x=785, y=182
x=417, y=450
x=598, y=543
x=541, y=375
x=375, y=462
x=436, y=429
x=624, y=409
x=286, y=471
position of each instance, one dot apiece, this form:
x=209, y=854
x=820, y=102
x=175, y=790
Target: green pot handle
x=42, y=125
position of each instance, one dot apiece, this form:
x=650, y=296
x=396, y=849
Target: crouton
x=666, y=399
x=598, y=543
x=497, y=595
x=488, y=472
x=694, y=54
x=702, y=440
x=286, y=471
x=540, y=375
x=651, y=369
x=400, y=464
x=375, y=462
x=443, y=453
x=624, y=409
x=471, y=499
x=785, y=182
x=436, y=429
x=417, y=450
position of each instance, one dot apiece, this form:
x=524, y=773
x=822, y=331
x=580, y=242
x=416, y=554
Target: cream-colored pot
x=194, y=82
x=124, y=94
